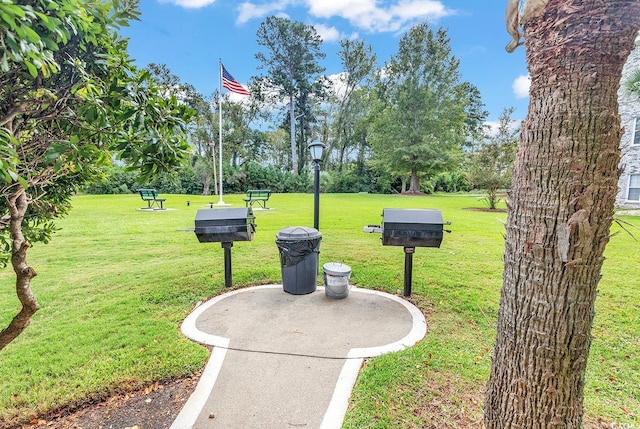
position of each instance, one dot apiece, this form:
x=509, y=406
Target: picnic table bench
x=260, y=196
x=152, y=199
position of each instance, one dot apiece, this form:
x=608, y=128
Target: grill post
x=408, y=269
x=227, y=245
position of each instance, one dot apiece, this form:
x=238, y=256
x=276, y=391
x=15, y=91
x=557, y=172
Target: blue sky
x=190, y=36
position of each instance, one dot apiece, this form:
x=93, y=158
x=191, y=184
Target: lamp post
x=316, y=153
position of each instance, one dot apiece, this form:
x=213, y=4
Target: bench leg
x=261, y=203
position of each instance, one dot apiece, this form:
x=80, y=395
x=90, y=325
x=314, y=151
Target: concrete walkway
x=282, y=360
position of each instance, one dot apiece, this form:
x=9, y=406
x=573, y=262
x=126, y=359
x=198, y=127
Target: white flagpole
x=221, y=202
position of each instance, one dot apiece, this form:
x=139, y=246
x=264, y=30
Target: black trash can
x=299, y=248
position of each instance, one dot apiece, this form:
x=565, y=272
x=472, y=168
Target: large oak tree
x=423, y=118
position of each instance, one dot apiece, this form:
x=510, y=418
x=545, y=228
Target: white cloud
x=492, y=127
x=328, y=34
x=338, y=83
x=361, y=14
x=345, y=9
x=409, y=10
x=365, y=14
x=248, y=11
x=192, y=4
x=521, y=86
x=238, y=98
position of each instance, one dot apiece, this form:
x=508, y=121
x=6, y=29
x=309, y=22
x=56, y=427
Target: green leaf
x=8, y=19
x=33, y=71
x=63, y=34
x=55, y=151
x=50, y=44
x=4, y=64
x=16, y=10
x=46, y=21
x=31, y=35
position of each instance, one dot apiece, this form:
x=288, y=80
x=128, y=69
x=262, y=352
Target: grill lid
x=224, y=225
x=224, y=216
x=414, y=216
x=412, y=227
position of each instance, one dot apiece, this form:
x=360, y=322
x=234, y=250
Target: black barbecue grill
x=410, y=228
x=225, y=226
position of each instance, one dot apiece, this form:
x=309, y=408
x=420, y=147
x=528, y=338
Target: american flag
x=231, y=84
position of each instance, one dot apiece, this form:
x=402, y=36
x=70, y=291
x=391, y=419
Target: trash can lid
x=336, y=269
x=296, y=233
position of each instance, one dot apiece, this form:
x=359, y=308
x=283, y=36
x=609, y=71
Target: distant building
x=629, y=184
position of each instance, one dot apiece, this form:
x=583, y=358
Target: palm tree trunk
x=561, y=206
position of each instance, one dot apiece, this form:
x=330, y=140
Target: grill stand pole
x=227, y=245
x=408, y=269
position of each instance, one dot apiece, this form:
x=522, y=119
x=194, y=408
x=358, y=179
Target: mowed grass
x=115, y=283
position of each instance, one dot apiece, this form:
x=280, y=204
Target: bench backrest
x=258, y=193
x=148, y=193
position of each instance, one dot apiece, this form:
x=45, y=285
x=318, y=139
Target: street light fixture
x=316, y=154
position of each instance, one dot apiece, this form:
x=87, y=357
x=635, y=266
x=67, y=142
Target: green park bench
x=151, y=197
x=260, y=196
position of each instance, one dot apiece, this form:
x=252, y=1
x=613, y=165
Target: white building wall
x=629, y=111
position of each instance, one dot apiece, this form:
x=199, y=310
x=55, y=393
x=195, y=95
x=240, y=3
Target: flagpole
x=221, y=202
x=227, y=81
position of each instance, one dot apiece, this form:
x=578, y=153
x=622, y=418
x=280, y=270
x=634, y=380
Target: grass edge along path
x=115, y=283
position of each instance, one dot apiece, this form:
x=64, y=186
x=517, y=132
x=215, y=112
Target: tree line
x=410, y=125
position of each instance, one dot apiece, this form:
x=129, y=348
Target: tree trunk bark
x=216, y=189
x=18, y=205
x=414, y=186
x=361, y=153
x=206, y=184
x=303, y=151
x=492, y=197
x=292, y=127
x=561, y=206
x=341, y=156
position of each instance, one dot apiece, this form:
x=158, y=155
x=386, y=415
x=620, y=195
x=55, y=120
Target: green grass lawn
x=115, y=283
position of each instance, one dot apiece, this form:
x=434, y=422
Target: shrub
x=451, y=181
x=117, y=180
